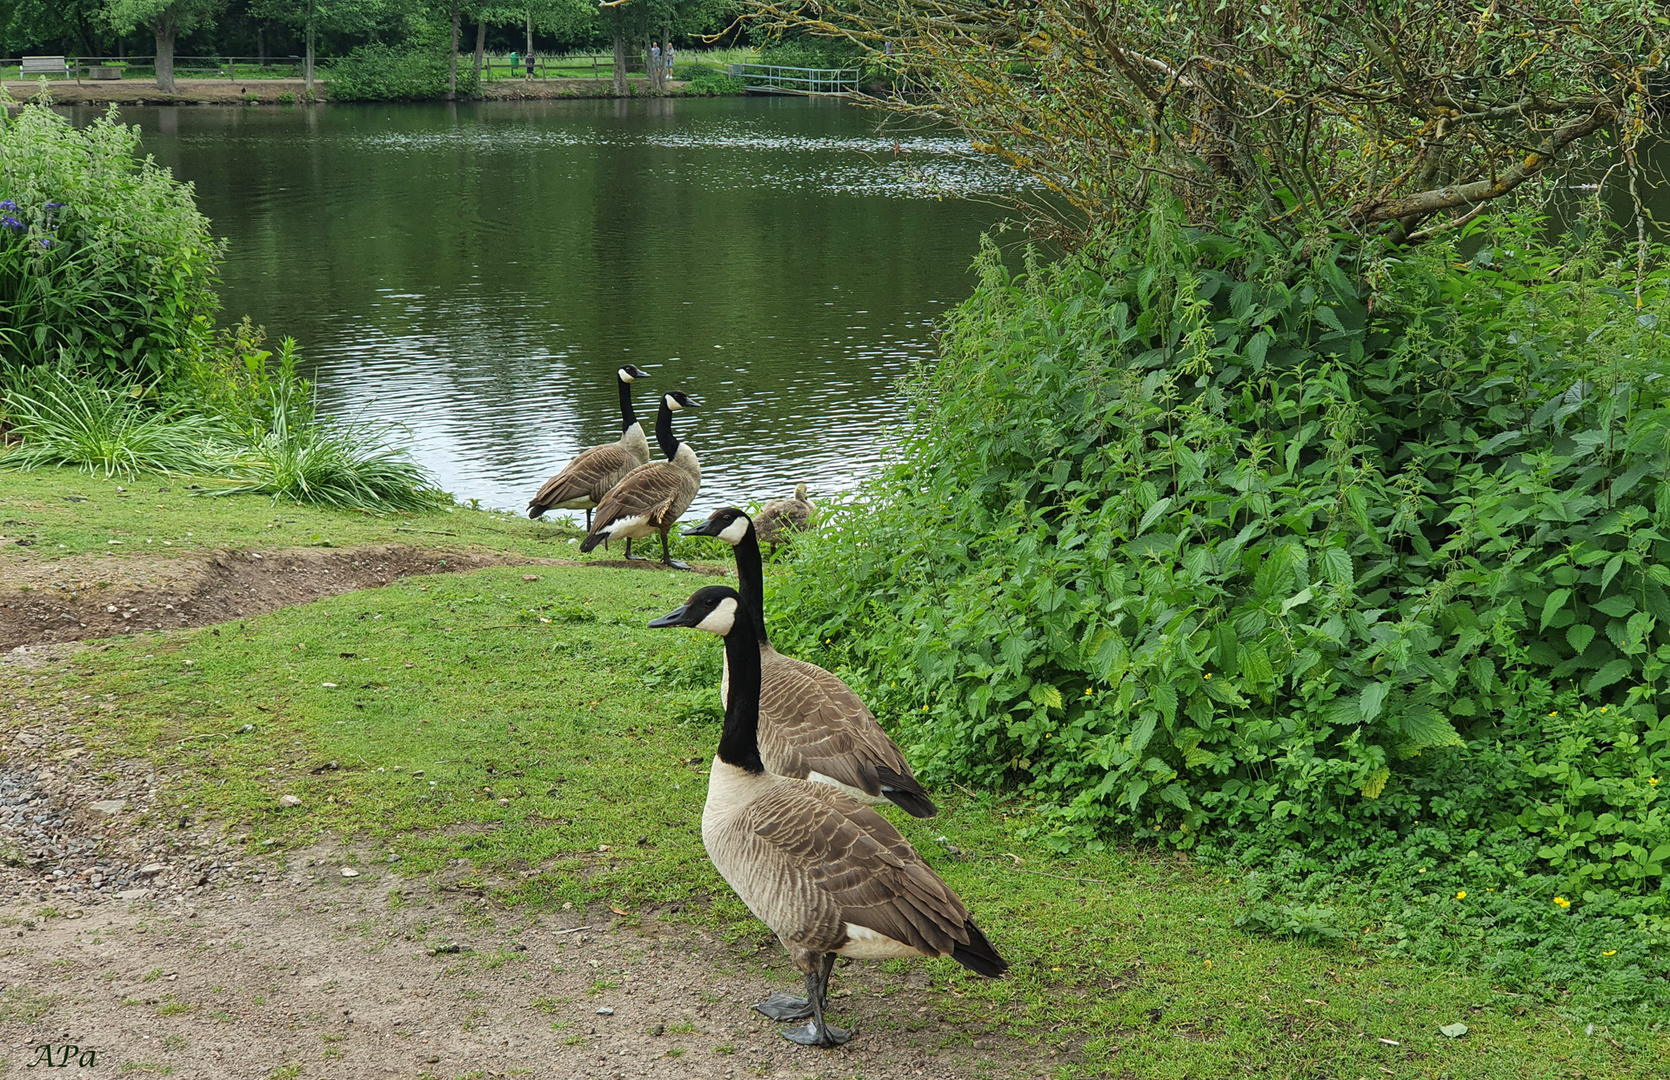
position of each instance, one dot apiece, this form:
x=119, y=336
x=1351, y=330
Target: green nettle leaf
x=1047, y=696
x=1608, y=675
x=1615, y=606
x=1152, y=515
x=1301, y=597
x=1424, y=727
x=1372, y=700
x=1579, y=636
x=1143, y=732
x=1551, y=607
x=1336, y=566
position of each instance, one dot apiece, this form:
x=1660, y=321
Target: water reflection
x=477, y=272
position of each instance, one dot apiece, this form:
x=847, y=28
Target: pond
x=477, y=272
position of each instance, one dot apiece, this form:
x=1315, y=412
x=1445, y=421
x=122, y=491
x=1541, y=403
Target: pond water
x=478, y=272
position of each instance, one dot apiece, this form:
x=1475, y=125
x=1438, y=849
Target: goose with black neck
x=650, y=498
x=830, y=876
x=813, y=726
x=583, y=482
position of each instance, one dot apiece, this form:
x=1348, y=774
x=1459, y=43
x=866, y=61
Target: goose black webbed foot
x=817, y=1033
x=677, y=565
x=780, y=1006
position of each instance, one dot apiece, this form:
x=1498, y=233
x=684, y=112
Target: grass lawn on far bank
x=538, y=730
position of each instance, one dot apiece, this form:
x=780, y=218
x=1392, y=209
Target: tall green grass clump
x=103, y=254
x=279, y=446
x=378, y=72
x=1343, y=564
x=62, y=420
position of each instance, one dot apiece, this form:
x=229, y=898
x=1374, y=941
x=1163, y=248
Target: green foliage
x=379, y=72
x=1219, y=532
x=234, y=415
x=102, y=253
x=811, y=52
x=284, y=450
x=63, y=420
x=706, y=81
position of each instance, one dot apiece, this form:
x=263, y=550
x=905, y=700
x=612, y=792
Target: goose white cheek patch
x=720, y=619
x=672, y=403
x=625, y=376
x=735, y=531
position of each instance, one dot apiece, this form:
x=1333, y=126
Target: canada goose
x=812, y=725
x=583, y=481
x=651, y=497
x=781, y=518
x=826, y=873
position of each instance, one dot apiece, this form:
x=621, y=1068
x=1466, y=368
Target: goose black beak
x=672, y=618
x=706, y=528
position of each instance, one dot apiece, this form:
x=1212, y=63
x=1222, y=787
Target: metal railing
x=772, y=79
x=230, y=68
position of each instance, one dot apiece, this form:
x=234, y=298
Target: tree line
x=310, y=29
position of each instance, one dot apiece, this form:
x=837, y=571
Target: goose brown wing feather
x=811, y=721
x=660, y=491
x=590, y=475
x=839, y=850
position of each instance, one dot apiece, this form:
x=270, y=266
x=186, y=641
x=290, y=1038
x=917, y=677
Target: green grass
x=1125, y=962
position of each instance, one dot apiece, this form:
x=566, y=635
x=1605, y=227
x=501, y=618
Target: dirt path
x=82, y=597
x=163, y=948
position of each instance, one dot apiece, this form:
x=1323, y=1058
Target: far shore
x=269, y=91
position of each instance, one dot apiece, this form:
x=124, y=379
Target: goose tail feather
x=978, y=955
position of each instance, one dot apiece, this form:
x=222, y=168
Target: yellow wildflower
x=1652, y=781
x=1562, y=902
x=1603, y=708
x=1087, y=691
x=1610, y=952
x=1422, y=870
x=1555, y=713
x=1462, y=895
x=1208, y=674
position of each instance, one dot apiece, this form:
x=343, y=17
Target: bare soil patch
x=46, y=601
x=167, y=947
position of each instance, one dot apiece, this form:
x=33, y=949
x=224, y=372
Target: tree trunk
x=452, y=72
x=620, y=61
x=166, y=33
x=261, y=44
x=529, y=54
x=480, y=50
x=307, y=60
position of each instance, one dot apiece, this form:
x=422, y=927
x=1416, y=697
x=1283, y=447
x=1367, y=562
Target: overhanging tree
x=167, y=19
x=1402, y=118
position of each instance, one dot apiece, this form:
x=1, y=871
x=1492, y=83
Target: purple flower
x=53, y=205
x=9, y=222
x=7, y=205
x=47, y=242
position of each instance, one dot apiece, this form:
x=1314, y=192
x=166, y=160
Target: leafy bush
x=811, y=52
x=378, y=72
x=1213, y=532
x=103, y=255
x=705, y=81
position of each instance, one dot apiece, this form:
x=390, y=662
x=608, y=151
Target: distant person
x=654, y=71
x=668, y=56
x=530, y=66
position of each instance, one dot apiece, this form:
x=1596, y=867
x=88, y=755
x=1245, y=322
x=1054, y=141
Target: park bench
x=45, y=65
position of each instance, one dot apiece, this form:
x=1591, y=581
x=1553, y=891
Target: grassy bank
x=563, y=749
